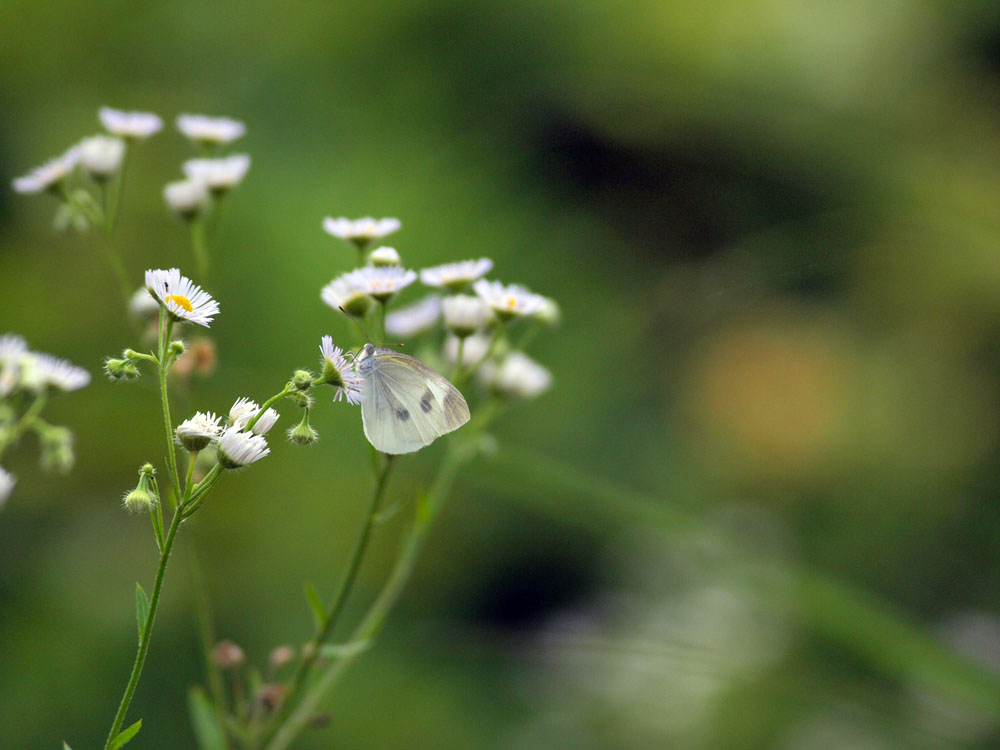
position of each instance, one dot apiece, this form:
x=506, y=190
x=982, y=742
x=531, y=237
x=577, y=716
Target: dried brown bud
x=228, y=655
x=281, y=656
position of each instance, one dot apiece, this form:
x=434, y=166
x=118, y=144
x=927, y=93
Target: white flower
x=12, y=346
x=464, y=315
x=46, y=371
x=129, y=124
x=417, y=318
x=210, y=130
x=456, y=276
x=142, y=304
x=266, y=422
x=473, y=350
x=242, y=412
x=185, y=198
x=549, y=313
x=382, y=282
x=518, y=376
x=384, y=256
x=101, y=155
x=339, y=373
x=237, y=448
x=184, y=299
x=345, y=294
x=218, y=175
x=360, y=230
x=7, y=482
x=196, y=433
x=50, y=175
x=508, y=301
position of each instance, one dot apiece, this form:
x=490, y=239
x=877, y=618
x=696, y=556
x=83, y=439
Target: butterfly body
x=407, y=404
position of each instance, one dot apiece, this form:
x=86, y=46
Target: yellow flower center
x=511, y=303
x=182, y=302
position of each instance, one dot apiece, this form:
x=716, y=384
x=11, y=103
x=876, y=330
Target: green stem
x=165, y=329
x=113, y=258
x=268, y=404
x=343, y=591
x=147, y=629
x=199, y=244
x=24, y=422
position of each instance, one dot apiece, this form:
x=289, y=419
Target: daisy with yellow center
x=382, y=282
x=183, y=299
x=511, y=301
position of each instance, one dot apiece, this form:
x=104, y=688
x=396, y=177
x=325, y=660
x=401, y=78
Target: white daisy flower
x=339, y=373
x=183, y=299
x=549, y=313
x=266, y=422
x=186, y=198
x=518, y=376
x=242, y=412
x=382, y=282
x=12, y=346
x=218, y=175
x=210, y=130
x=7, y=482
x=456, y=276
x=344, y=293
x=237, y=448
x=473, y=350
x=361, y=231
x=384, y=256
x=46, y=371
x=196, y=433
x=417, y=318
x=510, y=301
x=129, y=124
x=51, y=175
x=464, y=315
x=101, y=155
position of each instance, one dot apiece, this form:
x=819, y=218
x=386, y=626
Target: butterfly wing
x=408, y=405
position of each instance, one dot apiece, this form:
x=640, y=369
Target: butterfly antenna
x=357, y=323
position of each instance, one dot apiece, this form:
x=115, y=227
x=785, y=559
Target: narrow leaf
x=141, y=609
x=344, y=650
x=316, y=605
x=125, y=735
x=66, y=746
x=205, y=721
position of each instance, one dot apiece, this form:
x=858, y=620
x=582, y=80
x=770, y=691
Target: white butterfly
x=407, y=404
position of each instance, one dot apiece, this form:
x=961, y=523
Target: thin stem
x=199, y=244
x=147, y=629
x=268, y=404
x=343, y=591
x=113, y=258
x=457, y=370
x=165, y=328
x=112, y=216
x=29, y=416
x=463, y=375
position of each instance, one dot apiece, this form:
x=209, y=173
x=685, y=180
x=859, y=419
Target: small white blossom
x=46, y=371
x=344, y=293
x=473, y=350
x=12, y=346
x=510, y=301
x=143, y=305
x=360, y=230
x=183, y=299
x=186, y=198
x=518, y=376
x=237, y=448
x=218, y=175
x=549, y=313
x=210, y=130
x=382, y=282
x=129, y=124
x=242, y=412
x=7, y=482
x=464, y=315
x=199, y=431
x=49, y=176
x=101, y=155
x=384, y=256
x=266, y=422
x=456, y=276
x=339, y=373
x=417, y=318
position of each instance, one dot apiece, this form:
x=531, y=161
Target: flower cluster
x=27, y=379
x=238, y=442
x=210, y=177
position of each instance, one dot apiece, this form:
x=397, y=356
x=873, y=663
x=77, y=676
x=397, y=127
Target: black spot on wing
x=402, y=415
x=426, y=402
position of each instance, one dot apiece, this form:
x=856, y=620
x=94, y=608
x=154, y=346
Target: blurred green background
x=758, y=508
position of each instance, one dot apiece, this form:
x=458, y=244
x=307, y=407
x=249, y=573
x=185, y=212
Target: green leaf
x=344, y=650
x=125, y=735
x=141, y=609
x=66, y=746
x=316, y=605
x=205, y=721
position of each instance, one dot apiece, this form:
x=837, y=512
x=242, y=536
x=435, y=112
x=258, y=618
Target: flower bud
x=57, y=449
x=186, y=198
x=101, y=156
x=227, y=655
x=384, y=256
x=280, y=656
x=302, y=399
x=143, y=498
x=302, y=380
x=303, y=433
x=176, y=348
